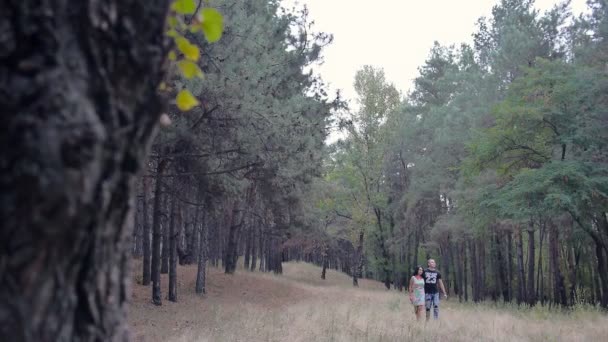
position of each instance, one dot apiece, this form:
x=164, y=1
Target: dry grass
x=299, y=306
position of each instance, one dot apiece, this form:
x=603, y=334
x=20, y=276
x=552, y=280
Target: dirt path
x=152, y=323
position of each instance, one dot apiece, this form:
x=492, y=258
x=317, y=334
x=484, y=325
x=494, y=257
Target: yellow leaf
x=212, y=24
x=184, y=6
x=172, y=55
x=188, y=49
x=189, y=69
x=162, y=86
x=185, y=100
x=172, y=22
x=172, y=33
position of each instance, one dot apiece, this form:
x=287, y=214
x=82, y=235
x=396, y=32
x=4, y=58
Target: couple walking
x=423, y=290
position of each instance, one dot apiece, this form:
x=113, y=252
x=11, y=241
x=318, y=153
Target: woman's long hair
x=416, y=270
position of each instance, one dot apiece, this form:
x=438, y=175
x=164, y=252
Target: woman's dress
x=418, y=291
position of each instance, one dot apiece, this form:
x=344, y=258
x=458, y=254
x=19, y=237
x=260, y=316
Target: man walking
x=432, y=278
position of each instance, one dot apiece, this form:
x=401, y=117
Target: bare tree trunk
x=235, y=223
x=137, y=231
x=156, y=235
x=458, y=259
x=172, y=295
x=254, y=247
x=572, y=265
x=510, y=263
x=482, y=269
x=325, y=261
x=262, y=251
x=531, y=295
x=248, y=238
x=559, y=290
x=164, y=265
x=603, y=274
x=521, y=286
x=358, y=260
x=465, y=272
x=147, y=265
x=502, y=274
x=540, y=275
x=474, y=272
x=202, y=255
x=78, y=112
x=193, y=241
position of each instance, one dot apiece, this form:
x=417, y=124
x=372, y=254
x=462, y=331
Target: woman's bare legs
x=419, y=312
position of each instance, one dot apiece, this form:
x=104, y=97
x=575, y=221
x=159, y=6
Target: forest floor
x=299, y=306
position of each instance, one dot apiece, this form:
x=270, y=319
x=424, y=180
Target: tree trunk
x=474, y=272
x=572, y=265
x=325, y=262
x=137, y=232
x=235, y=223
x=262, y=251
x=521, y=284
x=146, y=238
x=603, y=274
x=253, y=248
x=531, y=295
x=510, y=263
x=502, y=270
x=247, y=255
x=559, y=290
x=79, y=105
x=172, y=296
x=465, y=287
x=482, y=269
x=358, y=260
x=164, y=266
x=156, y=235
x=202, y=256
x=540, y=275
x=458, y=269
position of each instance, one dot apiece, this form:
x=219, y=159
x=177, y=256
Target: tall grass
x=334, y=311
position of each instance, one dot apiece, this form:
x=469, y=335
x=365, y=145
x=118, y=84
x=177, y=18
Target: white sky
x=394, y=34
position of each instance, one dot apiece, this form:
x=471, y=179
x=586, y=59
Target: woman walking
x=416, y=290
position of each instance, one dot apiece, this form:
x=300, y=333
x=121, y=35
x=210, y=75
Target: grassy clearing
x=299, y=306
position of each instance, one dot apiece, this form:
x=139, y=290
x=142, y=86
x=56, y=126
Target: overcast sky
x=394, y=34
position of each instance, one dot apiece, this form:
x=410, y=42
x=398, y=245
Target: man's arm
x=442, y=288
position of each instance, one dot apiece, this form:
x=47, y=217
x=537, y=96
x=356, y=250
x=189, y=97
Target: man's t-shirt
x=430, y=281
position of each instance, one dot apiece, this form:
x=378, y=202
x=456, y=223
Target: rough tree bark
x=79, y=103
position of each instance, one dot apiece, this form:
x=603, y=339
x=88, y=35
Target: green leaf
x=184, y=6
x=189, y=69
x=173, y=33
x=212, y=24
x=172, y=22
x=172, y=55
x=185, y=100
x=188, y=49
